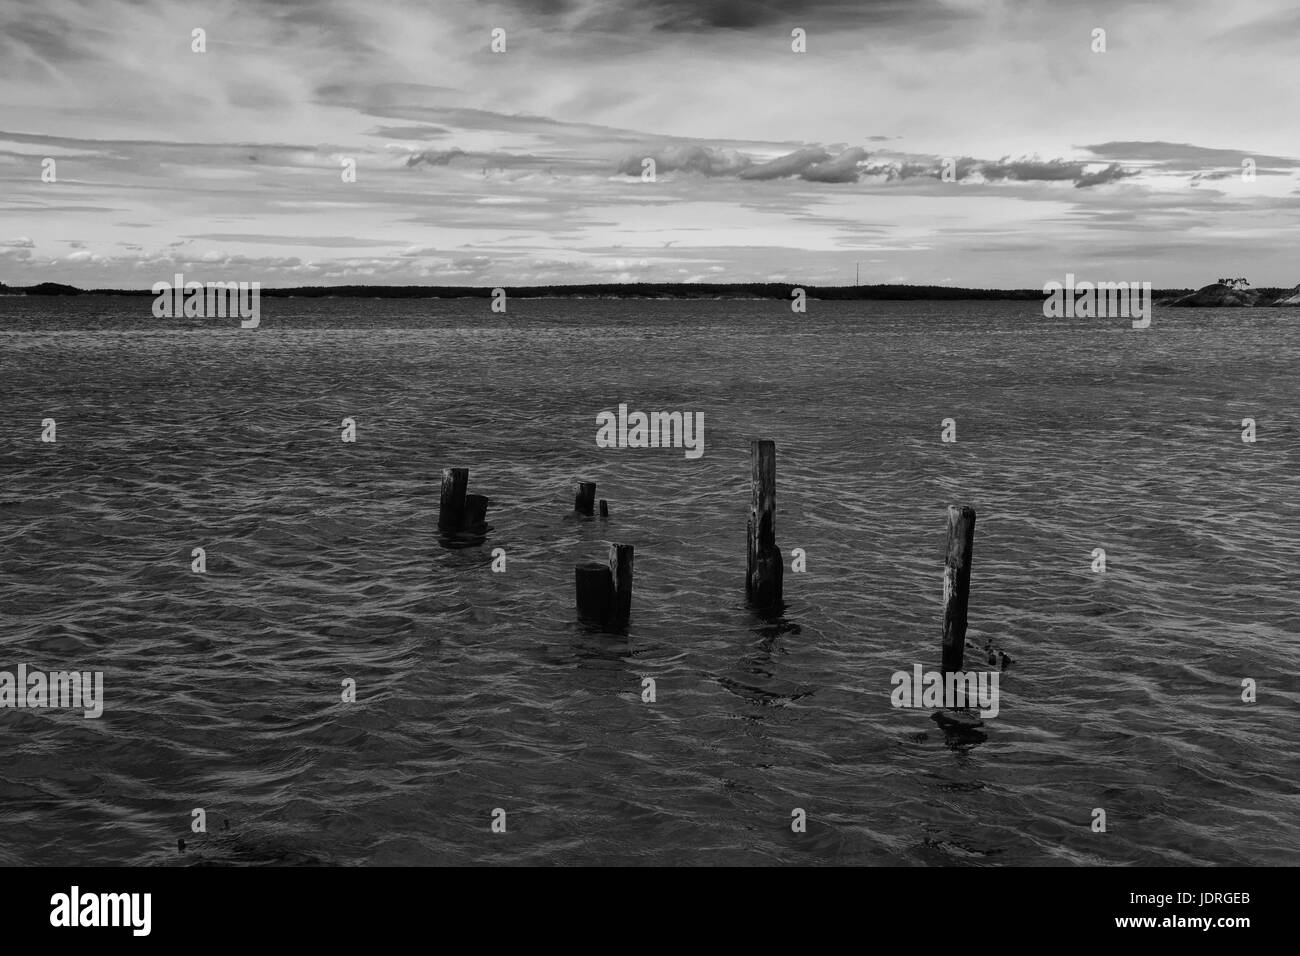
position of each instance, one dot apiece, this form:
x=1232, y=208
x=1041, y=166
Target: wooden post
x=451, y=508
x=604, y=508
x=764, y=563
x=462, y=518
x=584, y=497
x=620, y=570
x=594, y=583
x=956, y=585
x=605, y=590
x=474, y=517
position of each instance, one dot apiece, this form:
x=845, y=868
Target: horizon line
x=487, y=290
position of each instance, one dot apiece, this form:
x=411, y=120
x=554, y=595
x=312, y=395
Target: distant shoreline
x=1208, y=296
x=612, y=290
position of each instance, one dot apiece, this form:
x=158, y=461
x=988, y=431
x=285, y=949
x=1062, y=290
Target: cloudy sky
x=524, y=167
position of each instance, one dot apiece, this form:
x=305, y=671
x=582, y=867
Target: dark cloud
x=1003, y=170
x=44, y=38
x=1037, y=170
x=842, y=169
x=962, y=168
x=327, y=242
x=1028, y=170
x=683, y=15
x=433, y=157
x=814, y=164
x=1111, y=174
x=1185, y=156
x=410, y=132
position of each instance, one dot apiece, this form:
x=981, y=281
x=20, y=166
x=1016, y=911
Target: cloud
x=842, y=169
x=688, y=15
x=1004, y=170
x=814, y=164
x=791, y=164
x=336, y=242
x=409, y=132
x=1111, y=174
x=1029, y=170
x=1186, y=155
x=704, y=160
x=433, y=157
x=240, y=148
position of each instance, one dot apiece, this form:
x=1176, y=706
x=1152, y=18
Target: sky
x=525, y=167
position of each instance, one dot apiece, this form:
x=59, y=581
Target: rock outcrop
x=1220, y=296
x=1291, y=297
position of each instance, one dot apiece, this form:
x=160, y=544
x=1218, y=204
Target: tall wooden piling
x=451, y=508
x=765, y=567
x=584, y=497
x=956, y=584
x=474, y=517
x=604, y=591
x=620, y=569
x=594, y=587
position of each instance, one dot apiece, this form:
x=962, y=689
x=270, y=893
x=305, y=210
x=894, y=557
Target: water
x=477, y=690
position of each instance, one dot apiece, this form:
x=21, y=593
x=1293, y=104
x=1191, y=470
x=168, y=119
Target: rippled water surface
x=478, y=690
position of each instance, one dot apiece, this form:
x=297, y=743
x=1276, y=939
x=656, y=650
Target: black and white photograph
x=671, y=433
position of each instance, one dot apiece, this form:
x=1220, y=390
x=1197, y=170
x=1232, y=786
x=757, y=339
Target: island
x=1225, y=293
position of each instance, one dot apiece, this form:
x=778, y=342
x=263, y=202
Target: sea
x=1148, y=713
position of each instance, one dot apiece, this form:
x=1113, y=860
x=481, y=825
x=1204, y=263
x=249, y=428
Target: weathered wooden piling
x=460, y=513
x=474, y=518
x=594, y=584
x=764, y=564
x=956, y=584
x=604, y=508
x=584, y=497
x=451, y=508
x=604, y=591
x=620, y=569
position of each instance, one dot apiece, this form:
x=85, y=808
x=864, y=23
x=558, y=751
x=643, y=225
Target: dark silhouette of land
x=617, y=290
x=1216, y=295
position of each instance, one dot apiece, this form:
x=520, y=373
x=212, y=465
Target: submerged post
x=584, y=497
x=620, y=570
x=956, y=584
x=764, y=565
x=451, y=508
